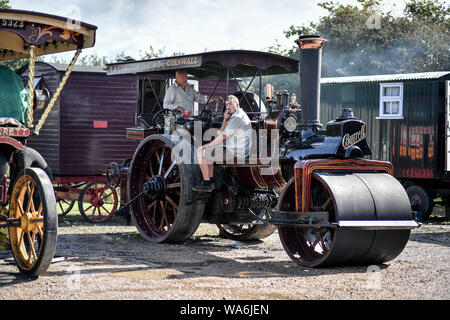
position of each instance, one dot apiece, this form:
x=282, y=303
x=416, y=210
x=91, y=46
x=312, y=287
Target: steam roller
x=366, y=219
x=332, y=205
x=338, y=208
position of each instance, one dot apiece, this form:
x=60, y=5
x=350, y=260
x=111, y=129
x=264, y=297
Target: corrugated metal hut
x=407, y=120
x=86, y=128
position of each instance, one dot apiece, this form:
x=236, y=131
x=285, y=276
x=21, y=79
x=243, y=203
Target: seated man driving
x=180, y=96
x=234, y=141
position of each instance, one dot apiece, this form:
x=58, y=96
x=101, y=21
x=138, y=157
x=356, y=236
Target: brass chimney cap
x=310, y=42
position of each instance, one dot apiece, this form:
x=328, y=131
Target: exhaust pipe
x=310, y=68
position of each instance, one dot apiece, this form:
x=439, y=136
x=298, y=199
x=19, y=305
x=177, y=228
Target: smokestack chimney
x=310, y=68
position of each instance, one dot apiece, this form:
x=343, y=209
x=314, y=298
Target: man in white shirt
x=180, y=96
x=234, y=141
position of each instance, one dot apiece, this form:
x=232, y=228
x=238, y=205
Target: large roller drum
x=169, y=213
x=367, y=211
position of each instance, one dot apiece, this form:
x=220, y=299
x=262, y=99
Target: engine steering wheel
x=158, y=118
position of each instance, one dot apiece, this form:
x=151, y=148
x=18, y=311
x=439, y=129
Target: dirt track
x=112, y=261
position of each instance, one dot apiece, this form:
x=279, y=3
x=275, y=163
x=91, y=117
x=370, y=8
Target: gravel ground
x=112, y=261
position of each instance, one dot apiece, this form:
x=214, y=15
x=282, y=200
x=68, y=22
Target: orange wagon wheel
x=33, y=201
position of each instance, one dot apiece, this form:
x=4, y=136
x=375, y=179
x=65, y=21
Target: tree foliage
x=364, y=40
x=152, y=53
x=96, y=60
x=4, y=4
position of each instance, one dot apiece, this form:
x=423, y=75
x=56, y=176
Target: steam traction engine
x=331, y=206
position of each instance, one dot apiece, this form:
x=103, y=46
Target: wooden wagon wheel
x=63, y=206
x=97, y=202
x=33, y=201
x=168, y=212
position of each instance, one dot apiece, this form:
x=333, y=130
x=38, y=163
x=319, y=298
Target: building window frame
x=391, y=104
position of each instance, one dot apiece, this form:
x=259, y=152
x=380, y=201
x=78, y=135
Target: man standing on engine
x=180, y=96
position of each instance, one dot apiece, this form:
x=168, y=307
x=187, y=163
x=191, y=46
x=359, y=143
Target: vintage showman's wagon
x=27, y=198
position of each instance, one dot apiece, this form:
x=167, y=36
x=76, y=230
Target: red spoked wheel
x=97, y=202
x=168, y=211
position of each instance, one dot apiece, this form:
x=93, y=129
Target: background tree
x=364, y=40
x=4, y=4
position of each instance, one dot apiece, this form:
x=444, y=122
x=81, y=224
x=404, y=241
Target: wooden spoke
x=172, y=202
x=60, y=205
x=21, y=236
x=173, y=185
x=322, y=244
x=30, y=190
x=40, y=210
x=164, y=215
x=151, y=169
x=314, y=244
x=151, y=205
x=86, y=209
x=19, y=205
x=32, y=252
x=158, y=158
x=104, y=208
x=41, y=232
x=326, y=204
x=108, y=197
x=154, y=211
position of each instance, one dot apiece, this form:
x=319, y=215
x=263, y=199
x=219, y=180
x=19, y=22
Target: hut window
x=391, y=101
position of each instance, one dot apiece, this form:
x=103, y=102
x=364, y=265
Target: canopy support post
x=244, y=92
x=32, y=57
x=57, y=93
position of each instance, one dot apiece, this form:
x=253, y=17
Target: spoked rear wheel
x=168, y=212
x=33, y=201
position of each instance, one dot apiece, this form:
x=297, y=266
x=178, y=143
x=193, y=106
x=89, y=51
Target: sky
x=191, y=26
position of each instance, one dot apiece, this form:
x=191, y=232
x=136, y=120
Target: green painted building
x=408, y=122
